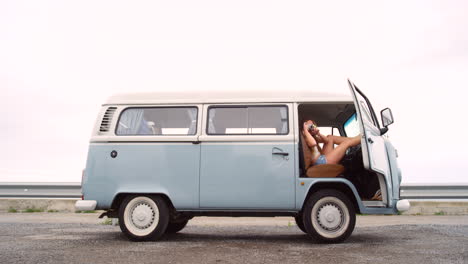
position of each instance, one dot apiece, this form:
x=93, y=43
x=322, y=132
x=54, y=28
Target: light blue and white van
x=156, y=160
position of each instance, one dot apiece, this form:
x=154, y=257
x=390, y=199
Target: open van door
x=374, y=152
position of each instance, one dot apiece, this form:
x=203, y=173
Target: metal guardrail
x=434, y=192
x=40, y=190
x=73, y=190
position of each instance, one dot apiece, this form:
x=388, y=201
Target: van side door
x=247, y=157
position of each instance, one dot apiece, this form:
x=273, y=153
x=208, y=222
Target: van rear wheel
x=143, y=217
x=175, y=227
x=300, y=223
x=329, y=216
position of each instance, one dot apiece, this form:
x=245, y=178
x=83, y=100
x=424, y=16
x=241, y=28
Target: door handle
x=281, y=153
x=278, y=151
x=370, y=140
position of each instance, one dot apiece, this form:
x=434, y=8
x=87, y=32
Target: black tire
x=143, y=218
x=333, y=225
x=175, y=227
x=300, y=223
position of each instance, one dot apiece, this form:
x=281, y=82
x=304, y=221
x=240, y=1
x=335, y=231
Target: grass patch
x=52, y=211
x=12, y=210
x=439, y=213
x=33, y=210
x=86, y=212
x=108, y=221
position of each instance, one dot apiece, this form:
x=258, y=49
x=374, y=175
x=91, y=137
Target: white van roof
x=225, y=97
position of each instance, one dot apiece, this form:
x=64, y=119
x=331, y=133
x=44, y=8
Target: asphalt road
x=80, y=238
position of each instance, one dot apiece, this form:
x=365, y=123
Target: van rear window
x=248, y=120
x=161, y=121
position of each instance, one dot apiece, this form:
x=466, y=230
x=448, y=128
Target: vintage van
x=156, y=160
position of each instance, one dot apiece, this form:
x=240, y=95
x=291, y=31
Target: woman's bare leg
x=337, y=139
x=328, y=145
x=336, y=155
x=331, y=141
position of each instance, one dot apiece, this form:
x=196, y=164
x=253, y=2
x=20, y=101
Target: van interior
x=331, y=119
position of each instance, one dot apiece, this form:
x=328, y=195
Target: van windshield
x=351, y=126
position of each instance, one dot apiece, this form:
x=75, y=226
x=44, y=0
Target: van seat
x=325, y=171
x=322, y=170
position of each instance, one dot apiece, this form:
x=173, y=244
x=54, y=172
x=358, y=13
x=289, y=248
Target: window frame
x=246, y=106
x=152, y=135
x=375, y=120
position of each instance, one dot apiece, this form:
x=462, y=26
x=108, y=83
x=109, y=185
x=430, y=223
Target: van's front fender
x=307, y=186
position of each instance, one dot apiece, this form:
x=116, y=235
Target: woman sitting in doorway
x=327, y=154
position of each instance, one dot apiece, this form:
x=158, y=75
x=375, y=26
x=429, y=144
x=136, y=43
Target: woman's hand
x=315, y=131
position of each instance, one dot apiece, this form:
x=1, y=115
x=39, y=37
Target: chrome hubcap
x=142, y=215
x=330, y=217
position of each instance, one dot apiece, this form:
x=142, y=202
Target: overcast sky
x=60, y=60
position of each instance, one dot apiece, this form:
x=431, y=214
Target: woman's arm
x=320, y=137
x=311, y=143
x=308, y=137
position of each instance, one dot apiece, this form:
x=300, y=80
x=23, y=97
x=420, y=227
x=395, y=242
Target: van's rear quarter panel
x=170, y=168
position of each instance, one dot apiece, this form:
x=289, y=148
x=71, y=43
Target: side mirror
x=387, y=117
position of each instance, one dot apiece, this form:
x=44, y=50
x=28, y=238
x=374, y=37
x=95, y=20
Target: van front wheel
x=329, y=216
x=143, y=217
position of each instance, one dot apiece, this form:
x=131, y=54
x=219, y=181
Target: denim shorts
x=321, y=160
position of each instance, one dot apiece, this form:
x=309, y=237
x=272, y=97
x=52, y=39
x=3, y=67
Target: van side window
x=248, y=120
x=161, y=121
x=367, y=112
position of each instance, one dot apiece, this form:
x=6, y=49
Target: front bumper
x=403, y=205
x=85, y=205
